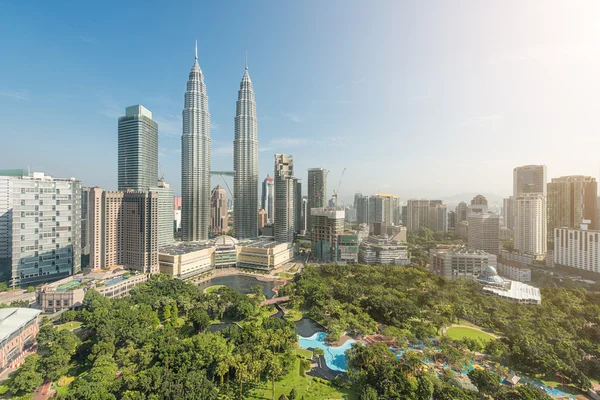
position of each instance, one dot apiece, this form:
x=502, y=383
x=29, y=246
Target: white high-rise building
x=165, y=214
x=195, y=159
x=245, y=163
x=284, y=198
x=530, y=179
x=577, y=248
x=40, y=228
x=508, y=212
x=268, y=198
x=317, y=191
x=530, y=227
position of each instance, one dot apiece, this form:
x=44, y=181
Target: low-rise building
x=18, y=329
x=348, y=246
x=264, y=254
x=457, y=262
x=523, y=258
x=506, y=289
x=382, y=250
x=514, y=270
x=70, y=292
x=186, y=260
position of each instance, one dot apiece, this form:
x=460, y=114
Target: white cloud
x=15, y=94
x=87, y=40
x=264, y=149
x=287, y=142
x=480, y=121
x=222, y=150
x=113, y=112
x=215, y=126
x=292, y=117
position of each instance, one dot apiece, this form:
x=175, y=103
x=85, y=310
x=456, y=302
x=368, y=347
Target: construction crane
x=335, y=192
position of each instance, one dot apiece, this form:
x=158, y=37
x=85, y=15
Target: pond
x=307, y=327
x=334, y=356
x=220, y=326
x=241, y=284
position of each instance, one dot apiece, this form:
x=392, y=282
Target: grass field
x=69, y=326
x=304, y=353
x=213, y=288
x=305, y=386
x=293, y=314
x=460, y=332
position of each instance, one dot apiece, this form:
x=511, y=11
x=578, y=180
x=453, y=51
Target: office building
x=452, y=221
x=177, y=203
x=138, y=150
x=438, y=217
x=40, y=228
x=387, y=206
x=348, y=247
x=529, y=179
x=479, y=204
x=304, y=213
x=317, y=191
x=530, y=224
x=297, y=205
x=218, y=211
x=245, y=162
x=577, y=248
x=383, y=251
x=140, y=228
x=484, y=232
x=166, y=236
x=508, y=212
x=328, y=223
x=268, y=198
x=417, y=214
x=85, y=228
x=462, y=212
x=572, y=199
x=361, y=203
x=186, y=260
x=262, y=219
x=457, y=262
x=195, y=159
x=284, y=198
x=124, y=230
x=263, y=253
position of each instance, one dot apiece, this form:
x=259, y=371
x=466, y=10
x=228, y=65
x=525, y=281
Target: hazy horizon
x=419, y=100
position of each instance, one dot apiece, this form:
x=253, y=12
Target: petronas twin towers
x=195, y=160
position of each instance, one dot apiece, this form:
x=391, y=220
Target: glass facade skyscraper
x=138, y=150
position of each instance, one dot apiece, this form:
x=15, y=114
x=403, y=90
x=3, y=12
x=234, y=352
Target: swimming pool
x=334, y=356
x=115, y=280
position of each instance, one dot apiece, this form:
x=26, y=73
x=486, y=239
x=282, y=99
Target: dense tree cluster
x=561, y=336
x=136, y=347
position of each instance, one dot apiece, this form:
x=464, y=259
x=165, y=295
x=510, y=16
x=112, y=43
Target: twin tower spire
x=196, y=157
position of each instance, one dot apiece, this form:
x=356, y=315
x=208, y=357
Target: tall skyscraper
x=572, y=199
x=508, y=212
x=245, y=163
x=218, y=210
x=267, y=198
x=462, y=212
x=297, y=205
x=479, y=204
x=417, y=214
x=328, y=223
x=438, y=217
x=530, y=224
x=195, y=159
x=40, y=228
x=166, y=236
x=361, y=203
x=317, y=191
x=284, y=198
x=85, y=227
x=529, y=179
x=138, y=150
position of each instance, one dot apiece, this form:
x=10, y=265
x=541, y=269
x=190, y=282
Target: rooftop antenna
x=246, y=60
x=196, y=49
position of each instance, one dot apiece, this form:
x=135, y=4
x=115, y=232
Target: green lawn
x=305, y=386
x=304, y=353
x=293, y=314
x=460, y=332
x=285, y=275
x=69, y=326
x=213, y=288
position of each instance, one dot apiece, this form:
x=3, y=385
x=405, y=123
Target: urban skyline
x=321, y=122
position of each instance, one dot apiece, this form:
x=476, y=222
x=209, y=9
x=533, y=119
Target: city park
x=328, y=332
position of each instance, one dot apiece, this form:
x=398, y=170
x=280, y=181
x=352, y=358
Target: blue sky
x=420, y=99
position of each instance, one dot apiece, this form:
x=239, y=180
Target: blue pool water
x=115, y=280
x=334, y=356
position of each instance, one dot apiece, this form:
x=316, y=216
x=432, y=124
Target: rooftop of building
x=490, y=277
x=459, y=250
x=181, y=248
x=12, y=319
x=224, y=241
x=514, y=264
x=265, y=242
x=516, y=291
